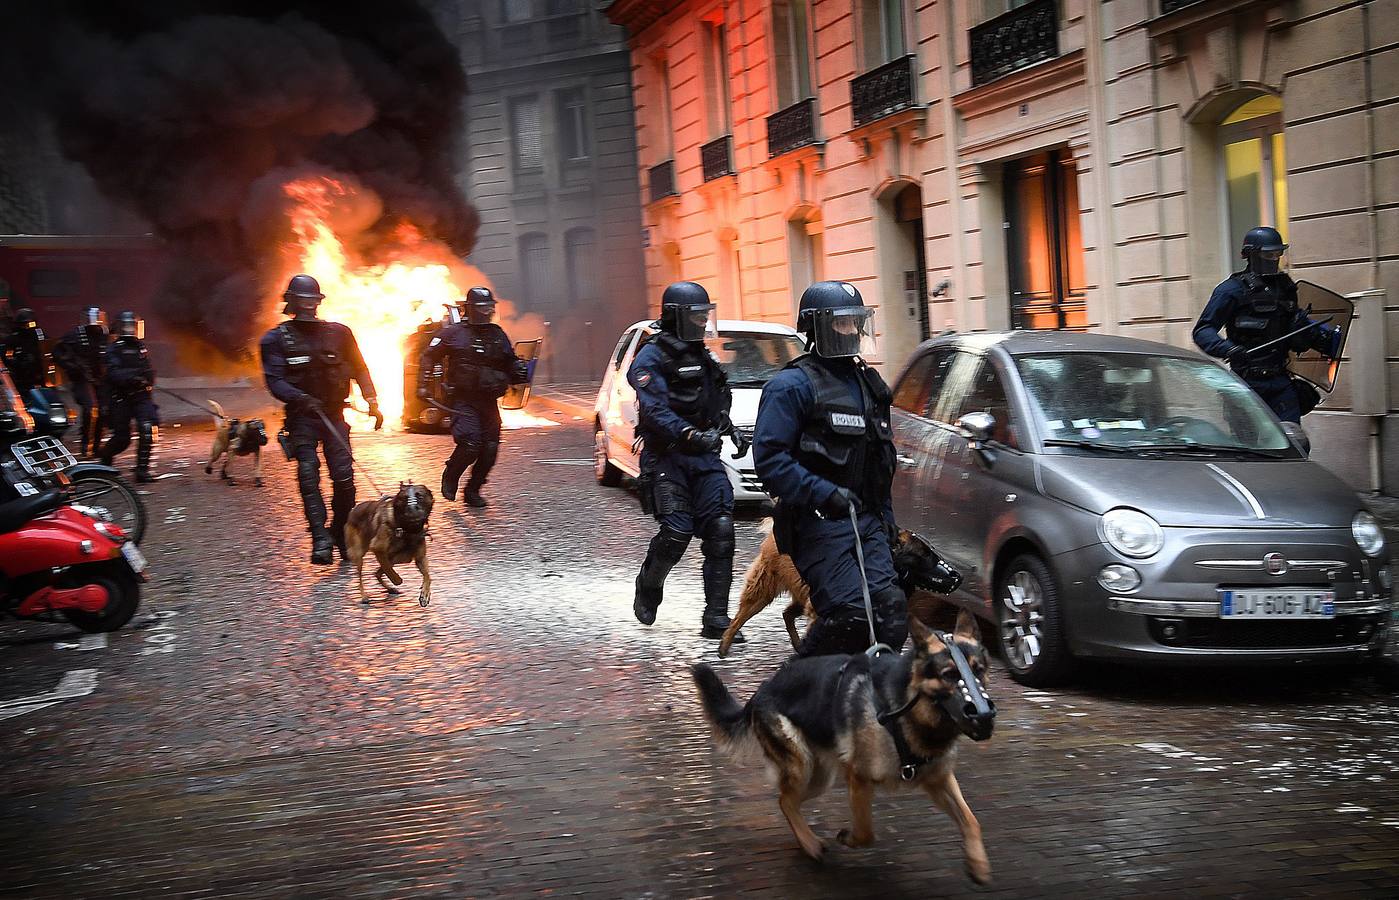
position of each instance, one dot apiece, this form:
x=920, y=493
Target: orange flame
x=410, y=280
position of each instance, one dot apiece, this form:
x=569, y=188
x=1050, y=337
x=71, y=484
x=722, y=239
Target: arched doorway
x=903, y=274
x=1253, y=167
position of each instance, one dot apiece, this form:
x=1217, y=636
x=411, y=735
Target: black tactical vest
x=694, y=380
x=483, y=366
x=1265, y=313
x=316, y=363
x=842, y=443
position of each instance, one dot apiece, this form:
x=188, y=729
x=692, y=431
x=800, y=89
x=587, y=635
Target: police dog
x=394, y=529
x=921, y=572
x=235, y=438
x=878, y=721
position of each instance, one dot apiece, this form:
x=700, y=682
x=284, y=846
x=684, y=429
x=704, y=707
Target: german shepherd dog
x=879, y=721
x=235, y=438
x=921, y=574
x=394, y=529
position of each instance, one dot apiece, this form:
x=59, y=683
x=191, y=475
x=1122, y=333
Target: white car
x=750, y=353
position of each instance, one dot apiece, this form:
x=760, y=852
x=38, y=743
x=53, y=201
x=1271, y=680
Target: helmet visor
x=695, y=322
x=132, y=328
x=844, y=331
x=480, y=312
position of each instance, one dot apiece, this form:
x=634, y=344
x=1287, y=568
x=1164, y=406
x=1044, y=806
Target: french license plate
x=133, y=557
x=1277, y=604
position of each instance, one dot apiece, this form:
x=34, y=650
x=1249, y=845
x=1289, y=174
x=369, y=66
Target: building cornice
x=638, y=15
x=1034, y=81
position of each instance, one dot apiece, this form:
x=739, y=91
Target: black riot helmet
x=130, y=325
x=835, y=319
x=478, y=306
x=1263, y=248
x=303, y=295
x=686, y=311
x=94, y=323
x=24, y=320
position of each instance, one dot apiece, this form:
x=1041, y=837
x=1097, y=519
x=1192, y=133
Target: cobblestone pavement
x=257, y=732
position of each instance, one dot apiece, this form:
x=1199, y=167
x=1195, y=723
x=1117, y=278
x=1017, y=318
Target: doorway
x=903, y=274
x=1044, y=244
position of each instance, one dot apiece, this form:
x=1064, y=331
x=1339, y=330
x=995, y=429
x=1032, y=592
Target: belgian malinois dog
x=880, y=721
x=922, y=573
x=394, y=529
x=236, y=438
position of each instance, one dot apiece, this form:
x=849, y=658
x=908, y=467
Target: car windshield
x=1134, y=401
x=750, y=358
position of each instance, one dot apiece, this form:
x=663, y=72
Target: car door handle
x=907, y=462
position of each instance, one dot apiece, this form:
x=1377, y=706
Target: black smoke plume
x=191, y=112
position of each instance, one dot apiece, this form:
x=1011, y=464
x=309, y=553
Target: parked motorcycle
x=54, y=559
x=36, y=452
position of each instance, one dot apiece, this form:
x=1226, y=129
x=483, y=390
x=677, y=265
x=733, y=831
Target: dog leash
x=875, y=647
x=201, y=406
x=346, y=444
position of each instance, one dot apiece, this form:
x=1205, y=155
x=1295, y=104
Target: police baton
x=1288, y=336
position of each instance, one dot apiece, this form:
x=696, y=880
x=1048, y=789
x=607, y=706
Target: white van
x=750, y=353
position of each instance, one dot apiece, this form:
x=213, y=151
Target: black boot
x=463, y=455
x=145, y=440
x=718, y=577
x=342, y=500
x=321, y=545
x=665, y=551
x=473, y=497
x=449, y=484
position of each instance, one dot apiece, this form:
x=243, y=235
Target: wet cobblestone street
x=256, y=731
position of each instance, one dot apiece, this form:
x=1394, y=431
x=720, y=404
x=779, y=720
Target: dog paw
x=979, y=870
x=816, y=850
x=847, y=837
x=423, y=601
x=392, y=591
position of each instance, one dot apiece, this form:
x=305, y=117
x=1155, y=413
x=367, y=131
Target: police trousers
x=309, y=431
x=476, y=431
x=123, y=409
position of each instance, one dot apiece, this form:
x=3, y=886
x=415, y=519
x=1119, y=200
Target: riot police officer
x=308, y=364
x=1256, y=307
x=480, y=367
x=822, y=446
x=82, y=355
x=24, y=353
x=683, y=408
x=130, y=382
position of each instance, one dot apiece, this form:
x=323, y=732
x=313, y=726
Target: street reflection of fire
x=383, y=294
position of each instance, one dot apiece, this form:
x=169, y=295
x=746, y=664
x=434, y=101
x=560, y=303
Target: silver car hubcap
x=599, y=453
x=1022, y=619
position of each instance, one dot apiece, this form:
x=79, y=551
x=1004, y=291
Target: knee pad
x=890, y=616
x=669, y=544
x=719, y=537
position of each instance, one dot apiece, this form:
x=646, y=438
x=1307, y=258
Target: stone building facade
x=991, y=164
x=550, y=163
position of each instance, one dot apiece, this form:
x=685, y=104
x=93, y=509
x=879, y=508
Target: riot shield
x=1313, y=365
x=518, y=394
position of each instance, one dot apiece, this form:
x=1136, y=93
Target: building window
x=792, y=51
x=517, y=10
x=1044, y=246
x=54, y=283
x=1254, y=169
x=534, y=270
x=882, y=32
x=805, y=252
x=716, y=79
x=730, y=279
x=580, y=251
x=664, y=146
x=573, y=125
x=529, y=136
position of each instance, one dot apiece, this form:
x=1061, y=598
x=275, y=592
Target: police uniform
x=305, y=360
x=824, y=424
x=24, y=355
x=81, y=355
x=129, y=383
x=1256, y=307
x=480, y=366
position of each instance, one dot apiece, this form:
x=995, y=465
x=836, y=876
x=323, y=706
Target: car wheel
x=1031, y=623
x=607, y=474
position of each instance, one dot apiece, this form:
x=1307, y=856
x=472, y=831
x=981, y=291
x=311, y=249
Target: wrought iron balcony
x=1022, y=37
x=662, y=179
x=883, y=91
x=716, y=158
x=1170, y=6
x=792, y=127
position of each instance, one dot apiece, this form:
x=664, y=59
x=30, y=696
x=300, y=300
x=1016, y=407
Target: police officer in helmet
x=24, y=353
x=129, y=384
x=480, y=367
x=823, y=446
x=308, y=364
x=683, y=404
x=81, y=354
x=1258, y=306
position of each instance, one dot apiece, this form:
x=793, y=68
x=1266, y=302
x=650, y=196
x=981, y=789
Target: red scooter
x=54, y=559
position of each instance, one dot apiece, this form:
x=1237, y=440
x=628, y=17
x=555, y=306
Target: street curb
x=558, y=407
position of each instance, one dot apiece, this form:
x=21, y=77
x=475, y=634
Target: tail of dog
x=729, y=722
x=218, y=411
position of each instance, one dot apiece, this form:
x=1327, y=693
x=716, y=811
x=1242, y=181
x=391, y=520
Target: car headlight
x=1132, y=533
x=1367, y=533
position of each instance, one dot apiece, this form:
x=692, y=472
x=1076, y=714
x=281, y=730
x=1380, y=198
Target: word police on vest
x=847, y=420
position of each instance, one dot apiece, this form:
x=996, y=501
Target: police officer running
x=82, y=355
x=683, y=409
x=1258, y=306
x=822, y=446
x=24, y=354
x=480, y=367
x=307, y=364
x=130, y=381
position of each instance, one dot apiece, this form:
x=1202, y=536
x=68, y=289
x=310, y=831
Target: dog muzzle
x=969, y=706
x=944, y=579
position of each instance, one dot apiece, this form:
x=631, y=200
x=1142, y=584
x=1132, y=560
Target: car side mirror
x=977, y=427
x=1298, y=437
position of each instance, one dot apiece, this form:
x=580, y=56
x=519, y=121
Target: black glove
x=521, y=371
x=697, y=441
x=839, y=504
x=376, y=415
x=1236, y=354
x=741, y=443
